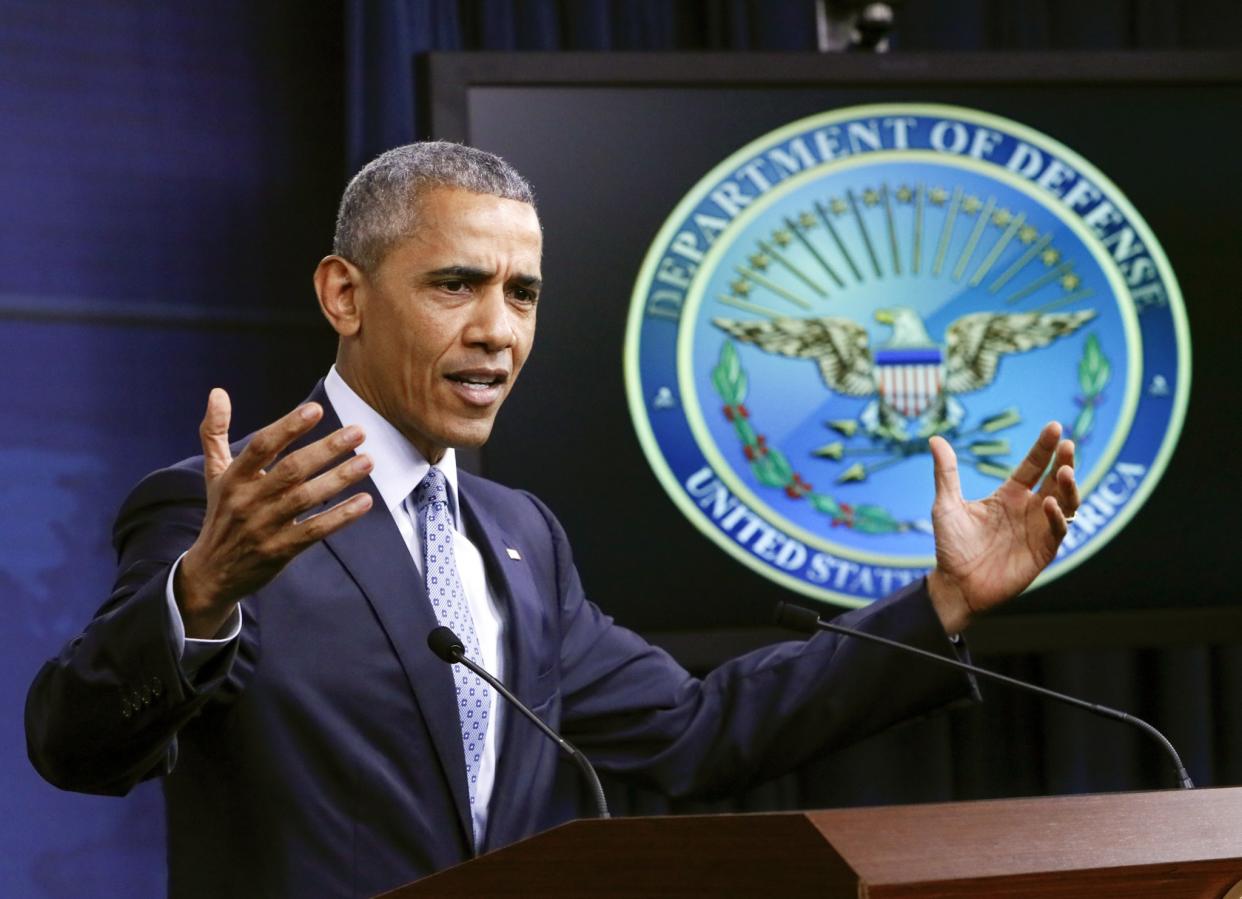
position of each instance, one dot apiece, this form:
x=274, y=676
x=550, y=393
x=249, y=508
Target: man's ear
x=339, y=284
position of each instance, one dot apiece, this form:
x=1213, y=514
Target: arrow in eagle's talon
x=859, y=472
x=1001, y=421
x=984, y=448
x=993, y=423
x=838, y=450
x=829, y=451
x=856, y=472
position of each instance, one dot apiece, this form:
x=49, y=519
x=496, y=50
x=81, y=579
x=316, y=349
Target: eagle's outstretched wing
x=837, y=344
x=974, y=343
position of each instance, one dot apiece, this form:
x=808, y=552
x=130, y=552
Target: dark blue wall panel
x=169, y=175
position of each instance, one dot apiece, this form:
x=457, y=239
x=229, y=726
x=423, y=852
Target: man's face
x=447, y=319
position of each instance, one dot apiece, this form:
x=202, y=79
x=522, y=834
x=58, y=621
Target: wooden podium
x=1185, y=843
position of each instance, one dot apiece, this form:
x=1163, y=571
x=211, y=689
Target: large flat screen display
x=1002, y=240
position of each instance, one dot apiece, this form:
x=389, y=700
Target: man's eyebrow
x=465, y=272
x=476, y=275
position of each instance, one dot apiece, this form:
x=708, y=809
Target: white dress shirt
x=397, y=468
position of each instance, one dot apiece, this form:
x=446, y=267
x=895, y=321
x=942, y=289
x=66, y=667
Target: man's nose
x=491, y=325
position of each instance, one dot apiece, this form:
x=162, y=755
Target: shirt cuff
x=191, y=652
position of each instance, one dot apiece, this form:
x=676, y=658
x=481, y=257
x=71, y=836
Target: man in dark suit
x=264, y=646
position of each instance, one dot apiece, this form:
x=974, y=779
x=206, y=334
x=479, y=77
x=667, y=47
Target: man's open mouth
x=479, y=386
x=479, y=379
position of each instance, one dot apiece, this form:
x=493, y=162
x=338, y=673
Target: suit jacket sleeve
x=638, y=714
x=104, y=713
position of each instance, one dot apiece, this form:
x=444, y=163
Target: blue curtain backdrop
x=170, y=173
x=383, y=36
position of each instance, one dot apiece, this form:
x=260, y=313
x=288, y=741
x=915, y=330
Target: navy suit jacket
x=321, y=754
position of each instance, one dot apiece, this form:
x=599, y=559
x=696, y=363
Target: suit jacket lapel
x=514, y=588
x=376, y=557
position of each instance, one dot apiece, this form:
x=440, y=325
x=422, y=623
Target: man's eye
x=522, y=295
x=458, y=286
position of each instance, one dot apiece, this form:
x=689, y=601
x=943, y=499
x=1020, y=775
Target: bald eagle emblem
x=915, y=381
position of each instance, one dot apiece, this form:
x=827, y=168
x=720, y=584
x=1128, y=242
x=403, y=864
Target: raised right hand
x=252, y=527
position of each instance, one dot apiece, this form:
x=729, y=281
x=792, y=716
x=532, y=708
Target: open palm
x=991, y=549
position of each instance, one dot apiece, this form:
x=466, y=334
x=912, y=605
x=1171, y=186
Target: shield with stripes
x=910, y=379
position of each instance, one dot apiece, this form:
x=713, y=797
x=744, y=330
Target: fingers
x=1032, y=467
x=1056, y=518
x=1060, y=482
x=299, y=482
x=1064, y=455
x=268, y=443
x=299, y=466
x=1067, y=489
x=316, y=527
x=944, y=463
x=214, y=434
x=307, y=494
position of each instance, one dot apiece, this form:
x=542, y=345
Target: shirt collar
x=397, y=467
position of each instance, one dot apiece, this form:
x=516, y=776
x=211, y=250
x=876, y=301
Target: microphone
x=800, y=619
x=445, y=644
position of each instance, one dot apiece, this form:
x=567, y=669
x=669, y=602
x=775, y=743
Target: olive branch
x=1094, y=373
x=770, y=466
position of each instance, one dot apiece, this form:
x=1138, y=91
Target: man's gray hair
x=380, y=206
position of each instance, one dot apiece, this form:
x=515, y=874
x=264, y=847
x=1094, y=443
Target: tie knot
x=431, y=489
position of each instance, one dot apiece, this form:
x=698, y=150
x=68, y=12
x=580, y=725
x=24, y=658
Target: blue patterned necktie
x=448, y=599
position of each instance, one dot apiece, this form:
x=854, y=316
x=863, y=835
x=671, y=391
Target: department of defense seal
x=841, y=289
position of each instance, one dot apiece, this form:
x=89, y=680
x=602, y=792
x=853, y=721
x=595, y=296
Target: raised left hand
x=991, y=549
